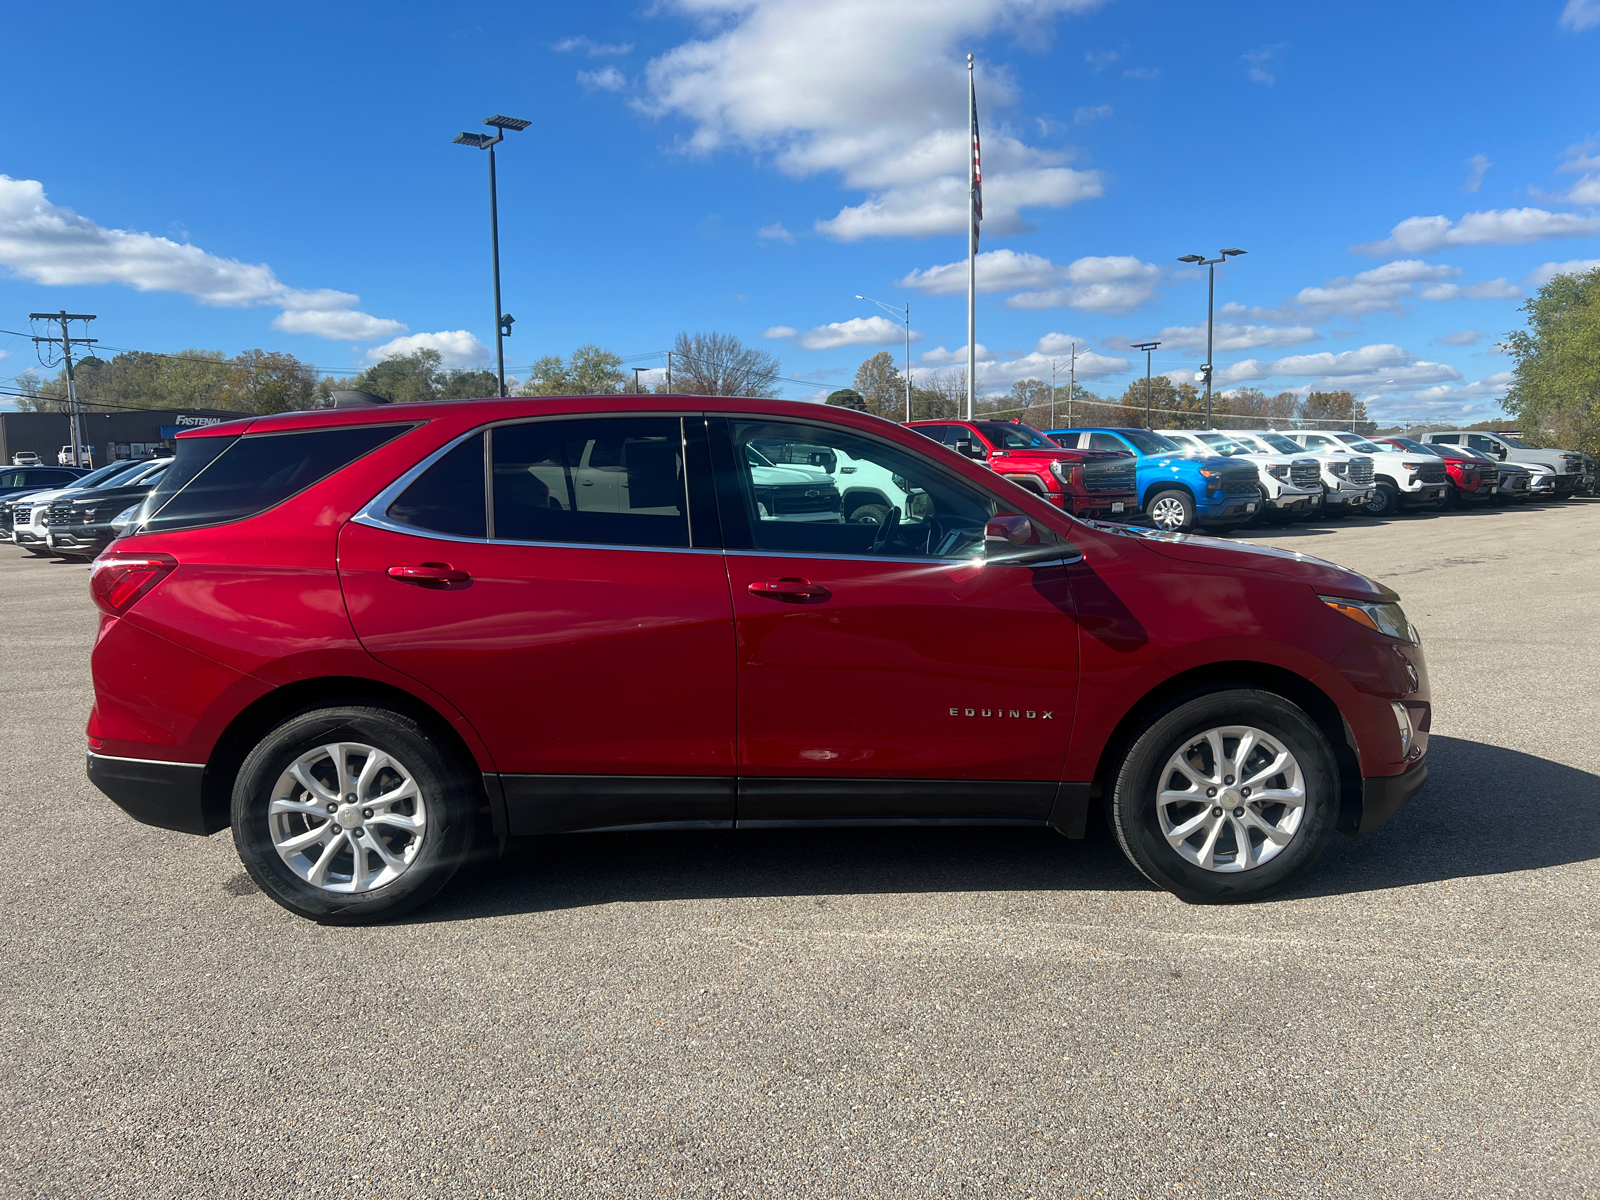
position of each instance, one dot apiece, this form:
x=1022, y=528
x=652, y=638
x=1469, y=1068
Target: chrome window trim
x=976, y=561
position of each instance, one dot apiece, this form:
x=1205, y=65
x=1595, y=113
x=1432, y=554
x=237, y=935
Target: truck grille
x=1304, y=474
x=1237, y=482
x=1360, y=472
x=1117, y=475
x=792, y=499
x=58, y=514
x=1433, y=472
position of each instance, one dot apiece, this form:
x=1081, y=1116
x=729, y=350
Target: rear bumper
x=164, y=794
x=1384, y=795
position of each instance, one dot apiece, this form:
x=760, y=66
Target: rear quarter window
x=217, y=480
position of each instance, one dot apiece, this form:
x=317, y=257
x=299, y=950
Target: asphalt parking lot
x=852, y=1014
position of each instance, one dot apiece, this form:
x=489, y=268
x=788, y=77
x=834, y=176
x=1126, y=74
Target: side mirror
x=1016, y=540
x=967, y=447
x=1001, y=533
x=1500, y=453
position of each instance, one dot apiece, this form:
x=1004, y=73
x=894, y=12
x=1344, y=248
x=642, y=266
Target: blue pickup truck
x=1177, y=492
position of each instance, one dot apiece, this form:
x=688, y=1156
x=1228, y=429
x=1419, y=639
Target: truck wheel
x=350, y=814
x=1172, y=510
x=1227, y=795
x=868, y=514
x=1452, y=497
x=1385, y=501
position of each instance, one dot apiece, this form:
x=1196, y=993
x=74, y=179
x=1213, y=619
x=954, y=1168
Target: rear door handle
x=430, y=573
x=789, y=589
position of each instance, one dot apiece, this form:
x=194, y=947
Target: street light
x=1147, y=347
x=482, y=141
x=1201, y=260
x=896, y=312
x=636, y=371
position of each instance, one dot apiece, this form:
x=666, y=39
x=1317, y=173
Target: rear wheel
x=1384, y=501
x=868, y=514
x=352, y=814
x=1172, y=510
x=1227, y=795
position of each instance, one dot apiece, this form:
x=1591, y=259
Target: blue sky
x=224, y=176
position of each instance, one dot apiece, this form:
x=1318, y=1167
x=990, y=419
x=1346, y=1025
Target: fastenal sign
x=185, y=421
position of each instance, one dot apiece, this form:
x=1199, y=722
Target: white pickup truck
x=1402, y=480
x=1291, y=483
x=1346, y=482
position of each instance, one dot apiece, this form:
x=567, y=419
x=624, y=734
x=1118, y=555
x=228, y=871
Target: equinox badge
x=1029, y=714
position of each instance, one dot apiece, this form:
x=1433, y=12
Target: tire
x=1452, y=498
x=1144, y=826
x=868, y=514
x=1171, y=510
x=446, y=804
x=1385, y=501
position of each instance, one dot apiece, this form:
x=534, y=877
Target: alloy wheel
x=1231, y=798
x=1167, y=513
x=347, y=817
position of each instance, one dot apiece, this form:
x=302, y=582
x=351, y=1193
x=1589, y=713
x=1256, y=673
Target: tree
x=848, y=398
x=1164, y=398
x=719, y=364
x=882, y=387
x=1337, y=407
x=261, y=382
x=404, y=378
x=591, y=372
x=1555, y=395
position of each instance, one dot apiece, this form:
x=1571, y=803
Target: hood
x=772, y=476
x=1326, y=577
x=1063, y=454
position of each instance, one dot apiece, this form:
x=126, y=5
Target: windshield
x=1152, y=443
x=1278, y=442
x=1361, y=445
x=1413, y=445
x=1006, y=436
x=1514, y=443
x=101, y=474
x=1224, y=445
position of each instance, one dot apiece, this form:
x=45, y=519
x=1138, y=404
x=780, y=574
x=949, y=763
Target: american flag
x=977, y=170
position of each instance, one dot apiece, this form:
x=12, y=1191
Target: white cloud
x=810, y=87
x=606, y=79
x=1099, y=59
x=857, y=331
x=1540, y=276
x=1088, y=116
x=48, y=244
x=1113, y=283
x=1490, y=387
x=1489, y=289
x=1061, y=343
x=1141, y=72
x=456, y=347
x=1228, y=336
x=1585, y=191
x=994, y=271
x=775, y=233
x=1498, y=227
x=1465, y=337
x=1259, y=61
x=940, y=357
x=995, y=374
x=591, y=47
x=1579, y=15
x=1581, y=156
x=1381, y=289
x=340, y=324
x=1477, y=166
x=1369, y=366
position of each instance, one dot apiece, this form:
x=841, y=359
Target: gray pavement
x=851, y=1014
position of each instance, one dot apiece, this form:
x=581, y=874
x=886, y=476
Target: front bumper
x=1295, y=502
x=1107, y=505
x=80, y=539
x=1384, y=795
x=1426, y=493
x=1343, y=493
x=1229, y=509
x=164, y=794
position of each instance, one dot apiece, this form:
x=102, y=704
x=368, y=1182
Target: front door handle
x=430, y=575
x=790, y=589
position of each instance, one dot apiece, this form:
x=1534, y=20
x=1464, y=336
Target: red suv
x=362, y=638
x=1086, y=483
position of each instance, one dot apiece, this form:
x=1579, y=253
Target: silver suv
x=1567, y=465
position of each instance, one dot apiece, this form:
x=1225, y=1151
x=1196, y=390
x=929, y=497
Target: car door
x=586, y=633
x=887, y=672
x=1493, y=447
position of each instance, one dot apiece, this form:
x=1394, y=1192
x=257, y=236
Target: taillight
x=118, y=580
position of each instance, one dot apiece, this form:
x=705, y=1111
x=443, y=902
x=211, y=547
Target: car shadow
x=1486, y=810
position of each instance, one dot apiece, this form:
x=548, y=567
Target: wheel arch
x=1025, y=480
x=257, y=718
x=1167, y=485
x=863, y=495
x=1311, y=699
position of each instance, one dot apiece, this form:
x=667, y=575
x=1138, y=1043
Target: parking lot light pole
x=896, y=312
x=482, y=141
x=636, y=388
x=1147, y=347
x=1201, y=260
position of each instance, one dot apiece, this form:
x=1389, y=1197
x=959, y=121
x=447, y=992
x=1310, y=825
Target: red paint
x=587, y=660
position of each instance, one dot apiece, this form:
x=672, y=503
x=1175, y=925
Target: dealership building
x=132, y=433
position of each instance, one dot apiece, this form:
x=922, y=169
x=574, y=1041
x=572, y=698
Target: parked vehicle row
x=78, y=519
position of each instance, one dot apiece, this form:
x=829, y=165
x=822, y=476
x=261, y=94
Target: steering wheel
x=885, y=531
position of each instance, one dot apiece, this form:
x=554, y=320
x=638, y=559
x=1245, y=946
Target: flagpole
x=972, y=241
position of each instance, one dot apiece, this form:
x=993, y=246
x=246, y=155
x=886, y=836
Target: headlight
x=1402, y=718
x=1412, y=466
x=1387, y=619
x=1278, y=471
x=1062, y=470
x=1339, y=468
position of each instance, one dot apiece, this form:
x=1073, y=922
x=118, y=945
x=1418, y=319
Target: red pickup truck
x=1085, y=483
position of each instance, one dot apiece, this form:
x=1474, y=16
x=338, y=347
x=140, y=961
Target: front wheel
x=1384, y=501
x=868, y=514
x=352, y=814
x=1171, y=510
x=1228, y=795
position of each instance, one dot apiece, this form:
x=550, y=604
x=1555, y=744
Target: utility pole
x=669, y=372
x=1072, y=382
x=1146, y=347
x=67, y=341
x=482, y=141
x=1054, y=365
x=1201, y=260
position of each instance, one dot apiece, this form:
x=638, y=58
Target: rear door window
x=604, y=481
x=448, y=497
x=1107, y=441
x=216, y=480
